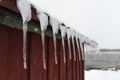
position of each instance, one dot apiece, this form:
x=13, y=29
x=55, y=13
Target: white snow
x=24, y=7
x=102, y=75
x=43, y=18
x=42, y=7
x=50, y=8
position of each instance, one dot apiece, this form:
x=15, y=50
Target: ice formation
x=63, y=33
x=25, y=9
x=81, y=47
x=73, y=35
x=55, y=26
x=43, y=18
x=77, y=42
x=68, y=31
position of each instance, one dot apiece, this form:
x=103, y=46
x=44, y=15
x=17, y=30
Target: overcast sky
x=97, y=19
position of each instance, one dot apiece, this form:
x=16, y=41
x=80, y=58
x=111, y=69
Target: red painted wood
x=53, y=67
x=62, y=64
x=77, y=63
x=12, y=59
x=74, y=66
x=69, y=64
x=9, y=4
x=81, y=66
x=3, y=51
x=37, y=71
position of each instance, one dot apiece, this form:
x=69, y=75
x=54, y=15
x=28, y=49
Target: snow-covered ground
x=102, y=75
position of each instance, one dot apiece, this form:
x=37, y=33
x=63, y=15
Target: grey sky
x=97, y=19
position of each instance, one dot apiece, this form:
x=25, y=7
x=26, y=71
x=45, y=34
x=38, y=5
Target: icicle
x=81, y=38
x=43, y=51
x=73, y=43
x=63, y=32
x=24, y=43
x=55, y=52
x=43, y=18
x=68, y=39
x=77, y=42
x=25, y=10
x=55, y=26
x=81, y=47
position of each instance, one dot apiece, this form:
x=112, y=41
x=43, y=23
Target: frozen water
x=68, y=31
x=25, y=9
x=73, y=43
x=24, y=43
x=55, y=26
x=43, y=18
x=77, y=41
x=63, y=33
x=43, y=51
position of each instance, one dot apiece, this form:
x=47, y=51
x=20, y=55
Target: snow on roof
x=42, y=8
x=24, y=7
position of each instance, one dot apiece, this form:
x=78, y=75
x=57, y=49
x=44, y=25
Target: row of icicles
x=24, y=7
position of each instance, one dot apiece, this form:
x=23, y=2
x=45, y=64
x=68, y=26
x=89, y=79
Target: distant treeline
x=106, y=50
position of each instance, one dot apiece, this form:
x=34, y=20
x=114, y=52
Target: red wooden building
x=11, y=50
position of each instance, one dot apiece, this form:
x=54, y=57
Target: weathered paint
x=37, y=71
x=11, y=62
x=69, y=63
x=11, y=54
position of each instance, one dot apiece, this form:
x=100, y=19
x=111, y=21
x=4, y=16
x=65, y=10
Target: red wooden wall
x=11, y=58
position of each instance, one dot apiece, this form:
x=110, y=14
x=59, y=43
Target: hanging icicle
x=63, y=33
x=55, y=26
x=68, y=31
x=43, y=18
x=77, y=42
x=25, y=9
x=73, y=43
x=81, y=38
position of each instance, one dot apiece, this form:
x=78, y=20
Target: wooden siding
x=11, y=58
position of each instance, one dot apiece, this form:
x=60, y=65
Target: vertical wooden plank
x=3, y=51
x=81, y=64
x=53, y=67
x=14, y=57
x=62, y=64
x=66, y=51
x=74, y=65
x=15, y=69
x=69, y=63
x=37, y=71
x=77, y=62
